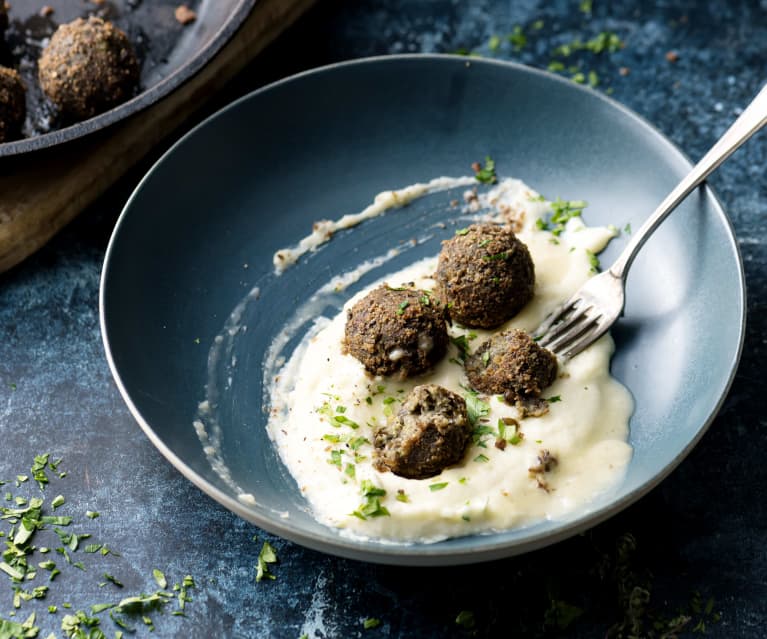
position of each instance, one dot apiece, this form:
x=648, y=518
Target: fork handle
x=753, y=118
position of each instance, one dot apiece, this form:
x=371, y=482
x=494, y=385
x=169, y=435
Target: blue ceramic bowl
x=199, y=232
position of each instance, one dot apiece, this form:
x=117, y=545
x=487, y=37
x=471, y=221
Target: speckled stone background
x=694, y=547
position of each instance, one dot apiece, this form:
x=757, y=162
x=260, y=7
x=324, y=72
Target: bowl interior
x=198, y=235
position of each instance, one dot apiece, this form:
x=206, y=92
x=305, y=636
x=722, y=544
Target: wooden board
x=42, y=192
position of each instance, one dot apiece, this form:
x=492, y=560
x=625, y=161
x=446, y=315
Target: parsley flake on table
x=160, y=578
x=465, y=619
x=266, y=556
x=20, y=563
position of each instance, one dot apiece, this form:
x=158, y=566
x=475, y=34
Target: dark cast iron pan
x=168, y=51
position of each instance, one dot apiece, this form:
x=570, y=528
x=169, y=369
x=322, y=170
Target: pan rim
x=142, y=100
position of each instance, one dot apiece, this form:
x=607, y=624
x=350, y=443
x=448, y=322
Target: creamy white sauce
x=491, y=489
x=323, y=230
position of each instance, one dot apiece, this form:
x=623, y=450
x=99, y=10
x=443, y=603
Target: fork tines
x=569, y=329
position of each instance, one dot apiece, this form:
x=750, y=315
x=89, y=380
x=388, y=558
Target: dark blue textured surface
x=701, y=531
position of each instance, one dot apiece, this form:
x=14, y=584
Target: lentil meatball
x=401, y=331
x=13, y=108
x=427, y=434
x=512, y=364
x=88, y=67
x=485, y=274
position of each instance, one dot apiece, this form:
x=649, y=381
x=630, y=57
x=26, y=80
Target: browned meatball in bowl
x=513, y=365
x=485, y=274
x=426, y=435
x=399, y=331
x=88, y=67
x=13, y=107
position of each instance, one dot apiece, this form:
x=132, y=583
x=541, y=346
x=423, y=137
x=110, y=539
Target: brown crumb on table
x=46, y=11
x=98, y=2
x=185, y=15
x=624, y=71
x=672, y=56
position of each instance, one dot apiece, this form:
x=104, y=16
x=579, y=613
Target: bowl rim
x=423, y=554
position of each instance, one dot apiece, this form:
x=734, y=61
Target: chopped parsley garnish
x=266, y=556
x=462, y=343
x=371, y=622
x=517, y=38
x=336, y=418
x=402, y=496
x=593, y=261
x=554, y=399
x=480, y=432
x=465, y=619
x=462, y=231
x=402, y=306
x=485, y=174
x=356, y=442
x=604, y=41
x=371, y=507
x=508, y=432
x=481, y=458
x=475, y=407
x=159, y=577
x=496, y=257
x=438, y=486
x=113, y=579
x=38, y=470
x=29, y=520
x=562, y=211
x=335, y=458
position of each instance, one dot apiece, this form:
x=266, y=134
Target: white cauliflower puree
x=324, y=409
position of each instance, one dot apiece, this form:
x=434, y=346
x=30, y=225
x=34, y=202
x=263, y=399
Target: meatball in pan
x=88, y=67
x=13, y=109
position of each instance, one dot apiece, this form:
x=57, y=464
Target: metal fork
x=595, y=307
